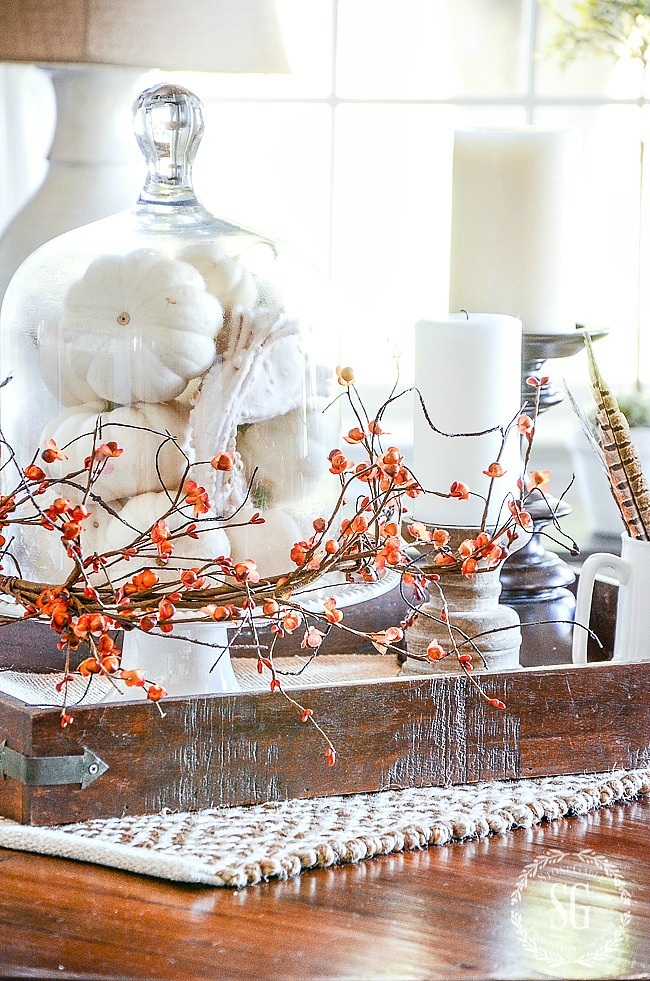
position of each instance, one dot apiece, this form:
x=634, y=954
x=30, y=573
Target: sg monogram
x=572, y=905
x=570, y=912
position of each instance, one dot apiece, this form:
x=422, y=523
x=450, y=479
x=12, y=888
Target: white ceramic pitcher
x=632, y=569
x=180, y=665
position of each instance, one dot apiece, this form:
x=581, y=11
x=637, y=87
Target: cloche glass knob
x=168, y=125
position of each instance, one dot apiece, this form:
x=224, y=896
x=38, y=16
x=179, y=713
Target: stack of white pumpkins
x=196, y=348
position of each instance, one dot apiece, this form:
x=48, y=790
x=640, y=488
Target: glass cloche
x=165, y=321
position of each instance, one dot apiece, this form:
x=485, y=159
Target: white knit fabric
x=243, y=846
x=40, y=689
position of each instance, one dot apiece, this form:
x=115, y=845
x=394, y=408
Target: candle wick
x=466, y=313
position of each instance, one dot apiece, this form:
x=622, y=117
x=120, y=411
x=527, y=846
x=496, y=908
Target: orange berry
x=435, y=652
x=290, y=622
x=134, y=678
x=222, y=461
x=166, y=609
x=494, y=470
x=298, y=554
x=111, y=663
x=459, y=490
x=345, y=375
x=246, y=571
x=71, y=530
x=359, y=524
x=156, y=692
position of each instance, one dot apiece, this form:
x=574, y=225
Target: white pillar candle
x=512, y=226
x=468, y=371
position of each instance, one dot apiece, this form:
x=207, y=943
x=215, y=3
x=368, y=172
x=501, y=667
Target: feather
x=592, y=435
x=588, y=429
x=626, y=480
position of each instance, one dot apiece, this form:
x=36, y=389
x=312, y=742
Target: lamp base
x=93, y=162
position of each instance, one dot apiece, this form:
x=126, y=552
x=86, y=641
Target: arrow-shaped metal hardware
x=51, y=771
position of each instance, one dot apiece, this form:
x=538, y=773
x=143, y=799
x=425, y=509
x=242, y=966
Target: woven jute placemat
x=242, y=846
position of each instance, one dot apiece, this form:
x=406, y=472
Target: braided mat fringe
x=243, y=846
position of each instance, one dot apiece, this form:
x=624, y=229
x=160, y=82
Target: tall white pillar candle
x=512, y=225
x=468, y=371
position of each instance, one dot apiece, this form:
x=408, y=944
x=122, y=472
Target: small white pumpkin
x=139, y=430
x=140, y=513
x=94, y=537
x=269, y=545
x=226, y=278
x=43, y=549
x=135, y=328
x=288, y=452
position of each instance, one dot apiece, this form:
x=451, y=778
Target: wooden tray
x=250, y=747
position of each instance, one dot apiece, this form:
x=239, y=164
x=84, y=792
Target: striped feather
x=588, y=429
x=593, y=436
x=627, y=482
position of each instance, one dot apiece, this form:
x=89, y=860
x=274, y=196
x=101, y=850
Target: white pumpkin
x=135, y=471
x=135, y=328
x=140, y=513
x=94, y=537
x=289, y=452
x=269, y=545
x=232, y=284
x=43, y=550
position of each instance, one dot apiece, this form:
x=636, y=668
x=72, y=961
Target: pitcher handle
x=599, y=560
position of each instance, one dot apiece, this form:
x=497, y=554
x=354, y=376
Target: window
x=349, y=158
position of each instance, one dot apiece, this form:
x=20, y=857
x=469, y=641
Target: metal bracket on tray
x=50, y=771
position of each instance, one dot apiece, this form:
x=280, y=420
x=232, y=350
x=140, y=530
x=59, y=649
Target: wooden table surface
x=440, y=913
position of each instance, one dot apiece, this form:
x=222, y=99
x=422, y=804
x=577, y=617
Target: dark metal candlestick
x=538, y=348
x=532, y=573
x=534, y=580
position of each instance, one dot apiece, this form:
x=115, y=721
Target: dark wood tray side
x=15, y=727
x=252, y=747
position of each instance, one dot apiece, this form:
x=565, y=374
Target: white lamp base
x=95, y=167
